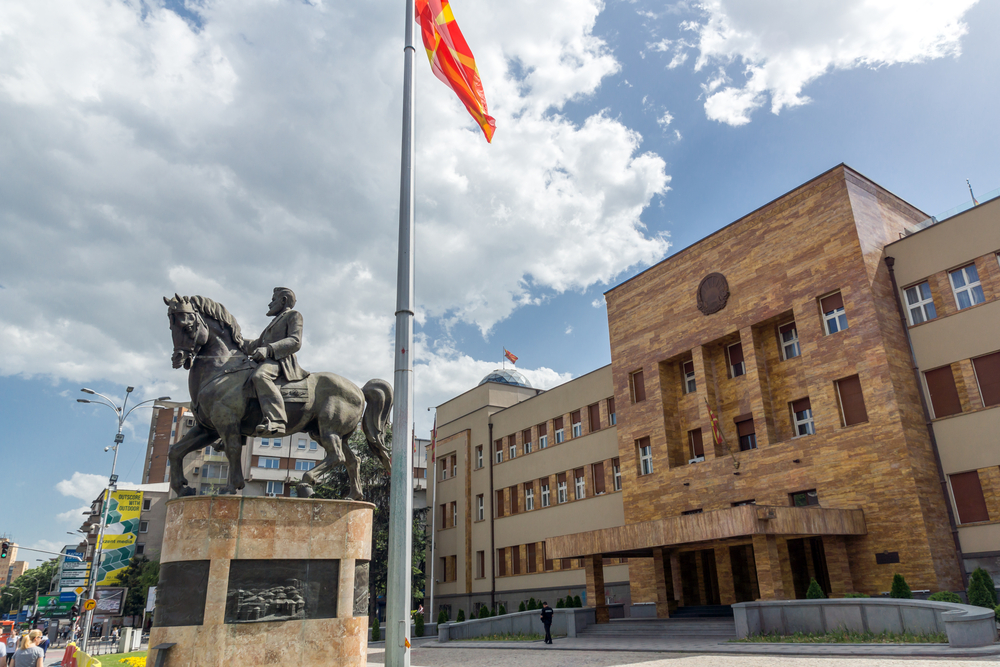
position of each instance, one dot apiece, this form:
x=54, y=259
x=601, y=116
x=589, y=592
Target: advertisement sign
x=110, y=601
x=50, y=606
x=67, y=597
x=120, y=534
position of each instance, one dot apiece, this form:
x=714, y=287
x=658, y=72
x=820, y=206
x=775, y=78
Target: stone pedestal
x=263, y=581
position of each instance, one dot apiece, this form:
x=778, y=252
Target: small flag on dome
x=510, y=355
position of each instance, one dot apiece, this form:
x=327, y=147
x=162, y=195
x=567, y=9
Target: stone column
x=594, y=565
x=756, y=388
x=835, y=549
x=662, y=585
x=765, y=554
x=724, y=575
x=675, y=574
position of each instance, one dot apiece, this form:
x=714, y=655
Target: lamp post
x=121, y=415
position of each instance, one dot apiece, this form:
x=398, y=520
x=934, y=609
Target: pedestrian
x=114, y=634
x=547, y=615
x=44, y=645
x=28, y=652
x=11, y=645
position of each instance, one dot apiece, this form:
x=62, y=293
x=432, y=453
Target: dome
x=504, y=376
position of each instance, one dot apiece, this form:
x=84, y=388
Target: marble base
x=214, y=531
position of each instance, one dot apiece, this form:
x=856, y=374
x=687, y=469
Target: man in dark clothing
x=547, y=615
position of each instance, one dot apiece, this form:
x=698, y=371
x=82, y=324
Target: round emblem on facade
x=713, y=293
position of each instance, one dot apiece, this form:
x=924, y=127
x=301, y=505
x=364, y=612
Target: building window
x=804, y=498
x=688, y=512
x=965, y=285
x=302, y=443
x=529, y=496
x=557, y=426
x=499, y=503
x=275, y=488
x=562, y=492
x=276, y=442
x=919, y=304
x=498, y=445
x=988, y=376
x=616, y=466
x=452, y=568
x=637, y=386
x=264, y=442
x=208, y=451
x=479, y=457
x=140, y=549
x=736, y=365
x=943, y=393
x=532, y=558
x=511, y=446
x=305, y=465
x=744, y=502
x=143, y=526
x=480, y=508
x=597, y=470
x=969, y=500
x=697, y=446
x=173, y=432
x=146, y=504
x=746, y=432
x=515, y=559
x=852, y=401
x=834, y=317
x=645, y=450
x=549, y=564
x=526, y=440
x=576, y=423
x=454, y=465
x=689, y=383
x=215, y=470
x=175, y=419
x=579, y=484
x=544, y=486
x=788, y=335
x=454, y=513
x=501, y=562
x=444, y=468
x=802, y=417
x=514, y=504
x=312, y=445
x=594, y=417
x=444, y=516
x=480, y=564
x=612, y=417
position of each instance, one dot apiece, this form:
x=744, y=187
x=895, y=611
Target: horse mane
x=218, y=312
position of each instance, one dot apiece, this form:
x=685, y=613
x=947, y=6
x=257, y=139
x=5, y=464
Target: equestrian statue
x=243, y=388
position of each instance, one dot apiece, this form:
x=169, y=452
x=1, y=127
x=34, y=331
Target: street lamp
x=120, y=415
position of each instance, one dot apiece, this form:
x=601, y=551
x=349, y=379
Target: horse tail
x=378, y=403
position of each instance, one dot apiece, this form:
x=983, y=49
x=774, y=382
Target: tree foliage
x=22, y=590
x=140, y=574
x=815, y=592
x=946, y=596
x=900, y=589
x=983, y=577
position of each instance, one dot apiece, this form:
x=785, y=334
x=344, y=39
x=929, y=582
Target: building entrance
x=807, y=559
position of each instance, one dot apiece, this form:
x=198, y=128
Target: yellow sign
x=79, y=590
x=88, y=605
x=120, y=534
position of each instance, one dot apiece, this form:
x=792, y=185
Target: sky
x=226, y=147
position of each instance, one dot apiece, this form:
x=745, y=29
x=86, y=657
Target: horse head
x=188, y=328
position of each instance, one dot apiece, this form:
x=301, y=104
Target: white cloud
x=86, y=487
x=569, y=330
x=781, y=46
x=599, y=302
x=665, y=120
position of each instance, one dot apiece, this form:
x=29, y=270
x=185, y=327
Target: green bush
x=946, y=596
x=814, y=592
x=418, y=623
x=560, y=604
x=532, y=604
x=484, y=612
x=857, y=595
x=900, y=589
x=376, y=630
x=461, y=616
x=996, y=612
x=521, y=606
x=442, y=617
x=569, y=601
x=979, y=594
x=502, y=610
x=984, y=576
x=576, y=601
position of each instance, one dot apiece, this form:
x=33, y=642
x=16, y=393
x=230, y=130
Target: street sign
x=76, y=581
x=79, y=590
x=67, y=597
x=89, y=604
x=73, y=566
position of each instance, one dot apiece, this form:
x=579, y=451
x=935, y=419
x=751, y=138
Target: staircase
x=704, y=611
x=664, y=628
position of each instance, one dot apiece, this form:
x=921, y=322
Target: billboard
x=110, y=601
x=120, y=534
x=51, y=606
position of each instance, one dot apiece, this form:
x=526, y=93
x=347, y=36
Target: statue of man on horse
x=233, y=397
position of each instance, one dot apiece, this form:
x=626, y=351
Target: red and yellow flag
x=452, y=60
x=716, y=429
x=510, y=355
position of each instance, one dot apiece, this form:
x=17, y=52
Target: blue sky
x=235, y=146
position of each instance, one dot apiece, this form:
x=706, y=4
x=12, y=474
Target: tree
x=22, y=590
x=577, y=602
x=814, y=592
x=900, y=589
x=979, y=574
x=569, y=602
x=461, y=616
x=521, y=606
x=418, y=623
x=560, y=603
x=376, y=630
x=502, y=610
x=140, y=574
x=484, y=612
x=532, y=604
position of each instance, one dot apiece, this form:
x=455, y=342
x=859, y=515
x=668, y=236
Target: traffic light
x=4, y=549
x=74, y=612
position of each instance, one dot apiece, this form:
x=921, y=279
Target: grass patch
x=506, y=637
x=847, y=637
x=134, y=659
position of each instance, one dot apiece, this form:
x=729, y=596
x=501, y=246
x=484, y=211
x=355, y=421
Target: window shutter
x=500, y=502
x=785, y=328
x=515, y=559
x=532, y=554
x=502, y=562
x=852, y=400
x=574, y=417
x=688, y=367
x=944, y=395
x=562, y=478
x=611, y=406
x=969, y=500
x=598, y=478
x=557, y=423
x=830, y=303
x=735, y=354
x=514, y=503
x=499, y=444
x=526, y=435
x=528, y=486
x=697, y=446
x=638, y=387
x=801, y=405
x=744, y=425
x=595, y=417
x=988, y=374
x=542, y=429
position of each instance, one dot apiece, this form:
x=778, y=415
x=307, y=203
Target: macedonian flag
x=452, y=60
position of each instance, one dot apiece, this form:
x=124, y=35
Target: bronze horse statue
x=207, y=342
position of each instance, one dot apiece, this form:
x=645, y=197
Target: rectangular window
x=562, y=491
x=305, y=465
x=444, y=468
x=697, y=446
x=544, y=486
x=988, y=376
x=276, y=442
x=264, y=442
x=215, y=470
x=549, y=565
x=143, y=526
x=452, y=568
x=501, y=562
x=802, y=417
x=313, y=446
x=479, y=457
x=598, y=471
x=577, y=424
x=454, y=513
x=834, y=317
x=529, y=496
x=565, y=563
x=616, y=467
x=746, y=432
x=444, y=568
x=919, y=304
x=557, y=426
x=444, y=516
x=579, y=484
x=965, y=285
x=689, y=512
x=526, y=440
x=689, y=383
x=454, y=465
x=543, y=438
x=736, y=365
x=788, y=336
x=140, y=549
x=804, y=498
x=943, y=393
x=645, y=450
x=498, y=445
x=146, y=504
x=514, y=504
x=480, y=564
x=852, y=401
x=744, y=502
x=480, y=507
x=499, y=503
x=969, y=499
x=515, y=559
x=532, y=558
x=612, y=417
x=302, y=443
x=637, y=387
x=594, y=417
x=511, y=446
x=275, y=488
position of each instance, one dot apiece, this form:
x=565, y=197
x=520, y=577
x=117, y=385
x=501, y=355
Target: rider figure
x=274, y=351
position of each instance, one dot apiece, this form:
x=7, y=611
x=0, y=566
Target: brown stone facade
x=780, y=263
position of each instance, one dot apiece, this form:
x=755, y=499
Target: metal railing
x=961, y=208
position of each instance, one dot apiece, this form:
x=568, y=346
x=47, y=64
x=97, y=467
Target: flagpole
x=397, y=595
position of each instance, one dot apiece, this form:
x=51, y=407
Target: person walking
x=29, y=654
x=11, y=645
x=547, y=615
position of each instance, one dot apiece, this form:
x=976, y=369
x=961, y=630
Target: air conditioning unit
x=697, y=459
x=197, y=470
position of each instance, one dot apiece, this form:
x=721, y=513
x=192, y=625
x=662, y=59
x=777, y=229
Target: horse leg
x=196, y=438
x=334, y=456
x=234, y=450
x=353, y=472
